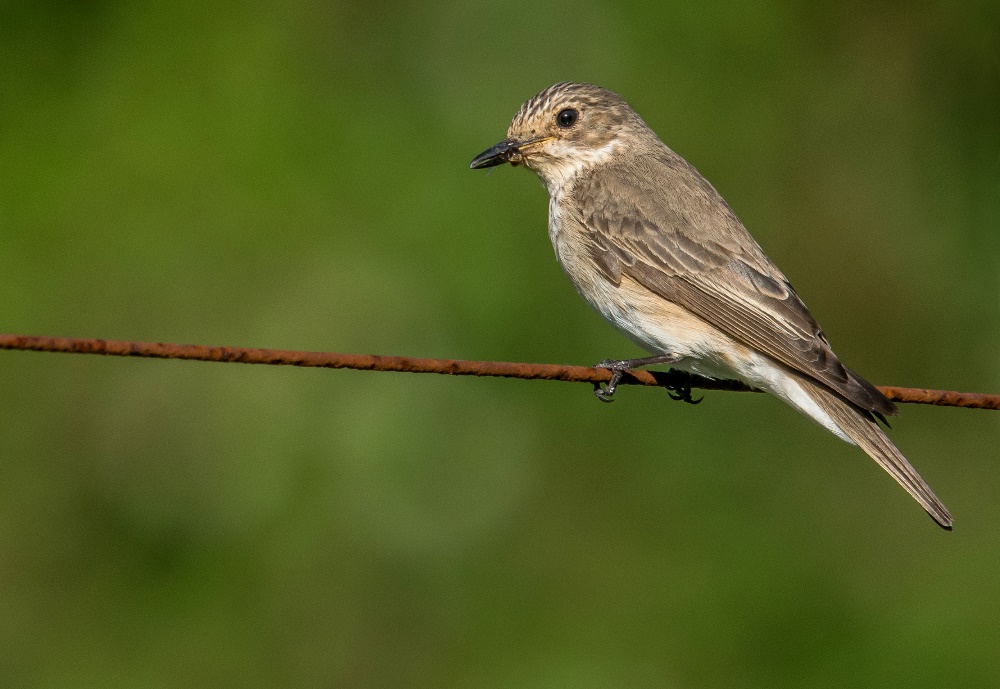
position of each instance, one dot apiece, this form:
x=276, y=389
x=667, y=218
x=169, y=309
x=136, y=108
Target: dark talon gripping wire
x=681, y=391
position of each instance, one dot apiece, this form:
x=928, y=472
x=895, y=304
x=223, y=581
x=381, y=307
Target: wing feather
x=685, y=244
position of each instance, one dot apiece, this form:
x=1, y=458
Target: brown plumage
x=651, y=245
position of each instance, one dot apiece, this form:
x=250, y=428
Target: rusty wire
x=455, y=367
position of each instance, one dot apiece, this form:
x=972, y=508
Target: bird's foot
x=681, y=391
x=618, y=368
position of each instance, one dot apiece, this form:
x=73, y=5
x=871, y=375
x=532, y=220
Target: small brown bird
x=653, y=247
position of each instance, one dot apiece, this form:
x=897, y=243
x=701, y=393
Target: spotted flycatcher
x=650, y=244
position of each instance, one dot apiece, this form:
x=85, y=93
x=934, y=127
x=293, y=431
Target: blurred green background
x=295, y=175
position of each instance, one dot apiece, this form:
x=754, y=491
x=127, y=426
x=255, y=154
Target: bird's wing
x=685, y=244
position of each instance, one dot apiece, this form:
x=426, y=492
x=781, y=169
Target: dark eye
x=567, y=118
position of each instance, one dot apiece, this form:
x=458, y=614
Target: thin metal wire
x=455, y=367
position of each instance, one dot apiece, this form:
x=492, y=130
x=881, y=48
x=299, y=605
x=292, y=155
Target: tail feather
x=862, y=428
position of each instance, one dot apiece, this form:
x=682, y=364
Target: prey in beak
x=507, y=151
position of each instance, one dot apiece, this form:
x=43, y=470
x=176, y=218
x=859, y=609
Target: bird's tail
x=862, y=428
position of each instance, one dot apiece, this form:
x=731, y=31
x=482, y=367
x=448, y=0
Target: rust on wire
x=941, y=398
x=456, y=367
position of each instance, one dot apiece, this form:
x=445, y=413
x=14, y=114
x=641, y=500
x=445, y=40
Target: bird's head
x=565, y=129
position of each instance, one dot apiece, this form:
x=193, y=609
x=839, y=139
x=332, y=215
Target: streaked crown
x=570, y=126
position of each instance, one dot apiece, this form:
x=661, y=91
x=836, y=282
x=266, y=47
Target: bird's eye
x=567, y=118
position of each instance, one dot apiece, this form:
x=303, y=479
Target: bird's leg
x=619, y=366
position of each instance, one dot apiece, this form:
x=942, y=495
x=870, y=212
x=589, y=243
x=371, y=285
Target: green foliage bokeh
x=295, y=175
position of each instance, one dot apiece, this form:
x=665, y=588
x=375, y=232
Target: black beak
x=498, y=155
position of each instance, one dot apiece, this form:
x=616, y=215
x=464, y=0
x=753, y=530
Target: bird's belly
x=659, y=326
x=662, y=327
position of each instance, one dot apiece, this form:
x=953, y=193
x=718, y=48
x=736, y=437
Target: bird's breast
x=652, y=322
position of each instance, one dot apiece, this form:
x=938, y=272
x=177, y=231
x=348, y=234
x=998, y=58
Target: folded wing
x=686, y=245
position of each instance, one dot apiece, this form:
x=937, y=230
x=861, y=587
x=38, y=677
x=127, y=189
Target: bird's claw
x=605, y=394
x=682, y=391
x=617, y=369
x=601, y=394
x=679, y=390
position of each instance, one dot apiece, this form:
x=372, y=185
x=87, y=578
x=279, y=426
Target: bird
x=650, y=244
